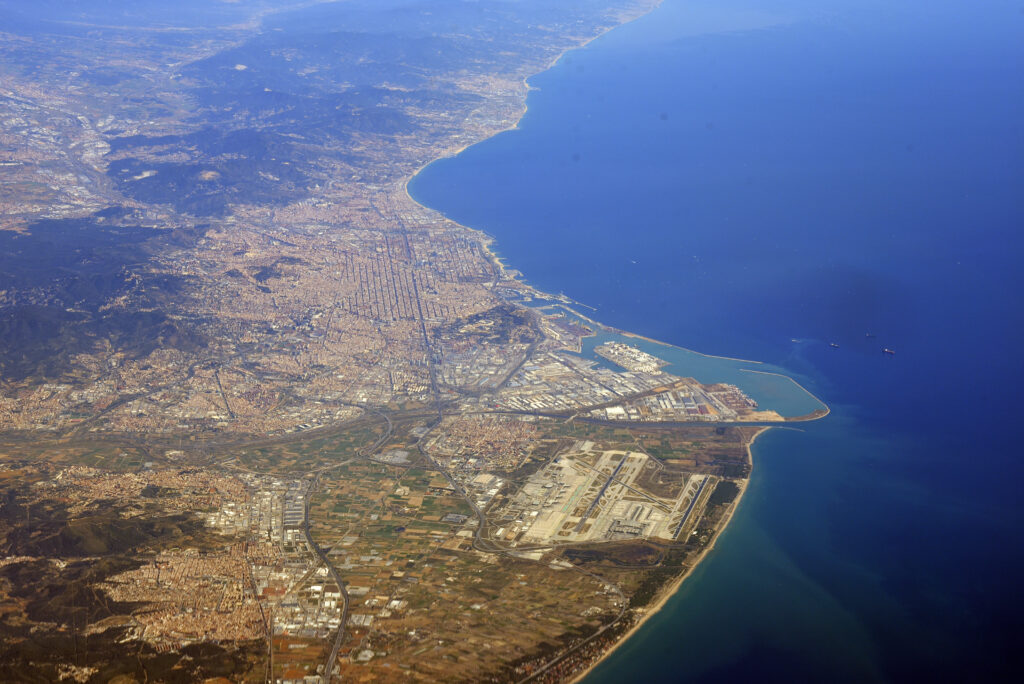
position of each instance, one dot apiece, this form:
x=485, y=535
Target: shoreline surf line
x=603, y=327
x=644, y=8
x=685, y=349
x=671, y=590
x=826, y=407
x=488, y=241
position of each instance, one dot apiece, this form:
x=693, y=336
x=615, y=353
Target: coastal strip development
x=274, y=421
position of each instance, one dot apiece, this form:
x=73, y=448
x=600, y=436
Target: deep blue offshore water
x=731, y=175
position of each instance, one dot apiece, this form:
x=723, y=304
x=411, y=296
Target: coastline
x=670, y=590
x=672, y=587
x=488, y=241
x=685, y=349
x=815, y=415
x=526, y=88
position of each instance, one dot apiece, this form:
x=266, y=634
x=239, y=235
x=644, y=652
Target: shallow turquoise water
x=729, y=176
x=766, y=384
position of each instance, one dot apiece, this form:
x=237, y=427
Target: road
x=329, y=664
x=340, y=636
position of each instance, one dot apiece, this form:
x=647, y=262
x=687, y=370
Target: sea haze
x=762, y=180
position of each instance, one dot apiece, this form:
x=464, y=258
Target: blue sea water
x=732, y=175
x=770, y=386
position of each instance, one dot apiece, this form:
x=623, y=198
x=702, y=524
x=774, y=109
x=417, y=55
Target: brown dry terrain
x=262, y=417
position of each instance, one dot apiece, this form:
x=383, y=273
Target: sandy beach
x=488, y=244
x=670, y=590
